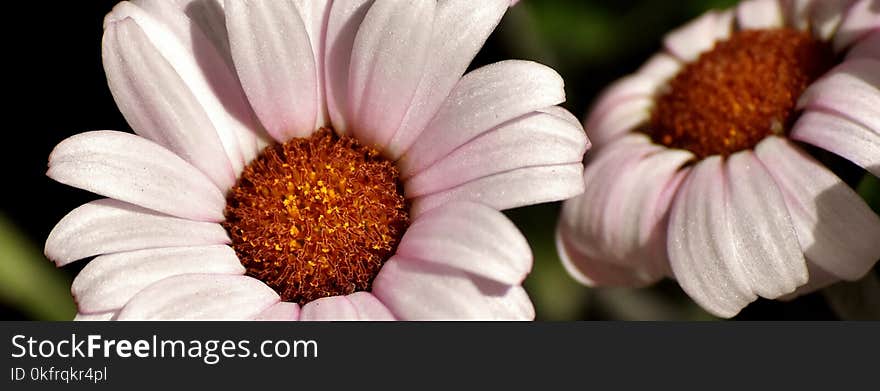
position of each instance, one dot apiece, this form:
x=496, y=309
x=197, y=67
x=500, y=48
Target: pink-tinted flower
x=312, y=160
x=701, y=170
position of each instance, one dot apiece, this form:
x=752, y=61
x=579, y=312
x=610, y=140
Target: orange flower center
x=744, y=89
x=316, y=216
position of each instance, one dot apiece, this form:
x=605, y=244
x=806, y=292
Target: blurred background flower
x=60, y=90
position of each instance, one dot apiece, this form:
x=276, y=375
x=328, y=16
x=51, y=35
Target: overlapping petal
x=108, y=226
x=135, y=170
x=362, y=306
x=537, y=139
x=418, y=290
x=482, y=100
x=158, y=103
x=200, y=297
x=275, y=62
x=388, y=59
x=109, y=281
x=836, y=229
x=470, y=237
x=191, y=36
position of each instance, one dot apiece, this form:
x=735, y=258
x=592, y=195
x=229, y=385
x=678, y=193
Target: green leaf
x=869, y=189
x=28, y=281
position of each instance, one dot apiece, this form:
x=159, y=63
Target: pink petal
x=470, y=237
x=563, y=114
x=329, y=308
x=843, y=137
x=851, y=90
x=628, y=102
x=836, y=229
x=356, y=306
x=315, y=16
x=691, y=40
x=596, y=272
x=482, y=100
x=387, y=62
x=869, y=47
x=759, y=14
x=369, y=307
x=584, y=216
x=415, y=290
x=178, y=32
x=537, y=139
x=459, y=31
x=80, y=317
x=135, y=170
x=702, y=248
x=624, y=207
x=274, y=59
x=344, y=21
x=826, y=15
x=859, y=20
x=280, y=311
x=603, y=127
x=107, y=226
x=661, y=66
x=512, y=189
x=766, y=242
x=200, y=297
x=158, y=104
x=109, y=281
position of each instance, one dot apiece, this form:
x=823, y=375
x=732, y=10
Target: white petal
x=512, y=189
x=482, y=100
x=594, y=272
x=661, y=66
x=387, y=62
x=759, y=14
x=460, y=29
x=361, y=306
x=702, y=249
x=852, y=90
x=275, y=62
x=179, y=31
x=604, y=126
x=698, y=36
x=765, y=239
x=624, y=207
x=470, y=237
x=841, y=136
x=315, y=16
x=109, y=226
x=109, y=281
x=281, y=310
x=342, y=27
x=537, y=139
x=135, y=170
x=415, y=290
x=157, y=102
x=836, y=229
x=200, y=297
x=104, y=316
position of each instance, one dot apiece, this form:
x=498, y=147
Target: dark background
x=58, y=89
